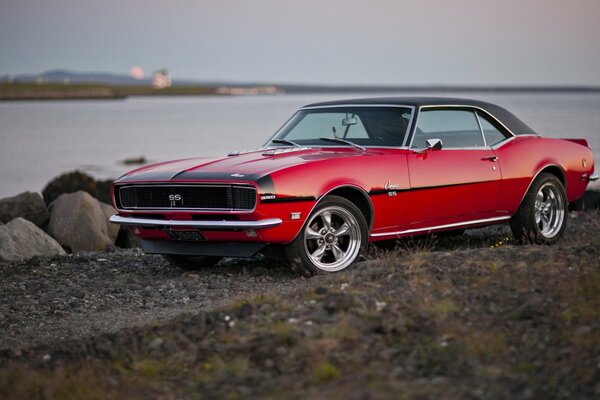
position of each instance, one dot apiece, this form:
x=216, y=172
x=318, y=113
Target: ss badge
x=174, y=198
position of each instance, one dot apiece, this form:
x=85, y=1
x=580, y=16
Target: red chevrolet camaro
x=341, y=174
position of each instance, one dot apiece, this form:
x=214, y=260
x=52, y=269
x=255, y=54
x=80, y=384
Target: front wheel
x=541, y=219
x=331, y=239
x=191, y=262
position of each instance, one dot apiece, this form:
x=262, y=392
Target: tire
x=318, y=250
x=542, y=216
x=191, y=262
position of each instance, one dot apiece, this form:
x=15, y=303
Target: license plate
x=190, y=236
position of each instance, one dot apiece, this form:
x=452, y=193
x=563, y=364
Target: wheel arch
x=358, y=196
x=355, y=194
x=553, y=169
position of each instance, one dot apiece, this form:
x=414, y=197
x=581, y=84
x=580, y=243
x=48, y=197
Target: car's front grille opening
x=214, y=197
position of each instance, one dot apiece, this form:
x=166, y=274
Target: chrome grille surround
x=197, y=197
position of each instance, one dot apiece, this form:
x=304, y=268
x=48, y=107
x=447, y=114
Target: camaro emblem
x=174, y=198
x=390, y=185
x=237, y=175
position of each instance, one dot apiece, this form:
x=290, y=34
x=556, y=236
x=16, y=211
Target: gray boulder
x=21, y=239
x=80, y=222
x=28, y=205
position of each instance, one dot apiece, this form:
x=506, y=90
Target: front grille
x=216, y=197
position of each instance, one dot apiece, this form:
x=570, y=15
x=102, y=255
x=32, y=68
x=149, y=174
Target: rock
x=108, y=211
x=124, y=238
x=135, y=160
x=104, y=191
x=74, y=181
x=28, y=205
x=21, y=239
x=80, y=222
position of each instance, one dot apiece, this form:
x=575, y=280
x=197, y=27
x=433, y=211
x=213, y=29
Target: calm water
x=40, y=140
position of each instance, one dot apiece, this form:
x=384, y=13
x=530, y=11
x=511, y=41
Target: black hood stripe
x=265, y=184
x=164, y=177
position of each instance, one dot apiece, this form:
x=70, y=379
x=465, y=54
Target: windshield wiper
x=338, y=140
x=285, y=141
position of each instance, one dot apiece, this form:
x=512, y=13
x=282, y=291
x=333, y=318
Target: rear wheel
x=191, y=262
x=541, y=218
x=331, y=240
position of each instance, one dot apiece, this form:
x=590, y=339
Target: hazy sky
x=308, y=41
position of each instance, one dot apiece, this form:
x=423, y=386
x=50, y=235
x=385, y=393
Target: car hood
x=241, y=167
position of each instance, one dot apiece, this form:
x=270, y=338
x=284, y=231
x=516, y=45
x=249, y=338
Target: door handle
x=490, y=158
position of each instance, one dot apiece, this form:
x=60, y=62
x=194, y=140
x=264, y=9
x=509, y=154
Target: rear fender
x=580, y=141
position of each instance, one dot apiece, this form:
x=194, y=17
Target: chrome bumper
x=593, y=177
x=220, y=225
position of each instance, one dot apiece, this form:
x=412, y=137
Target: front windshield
x=365, y=126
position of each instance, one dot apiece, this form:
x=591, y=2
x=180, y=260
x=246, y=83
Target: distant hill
x=61, y=76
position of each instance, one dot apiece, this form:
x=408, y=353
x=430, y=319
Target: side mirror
x=434, y=144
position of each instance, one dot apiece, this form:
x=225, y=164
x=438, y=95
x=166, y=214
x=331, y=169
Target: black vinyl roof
x=514, y=124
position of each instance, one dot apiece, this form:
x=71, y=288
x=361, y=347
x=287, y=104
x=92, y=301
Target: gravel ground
x=51, y=300
x=48, y=300
x=468, y=317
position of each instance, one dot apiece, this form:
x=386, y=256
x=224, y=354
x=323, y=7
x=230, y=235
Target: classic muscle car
x=338, y=175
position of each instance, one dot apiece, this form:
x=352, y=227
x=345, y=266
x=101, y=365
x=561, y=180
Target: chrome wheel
x=549, y=210
x=332, y=238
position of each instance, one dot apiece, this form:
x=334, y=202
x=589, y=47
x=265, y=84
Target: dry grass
x=429, y=322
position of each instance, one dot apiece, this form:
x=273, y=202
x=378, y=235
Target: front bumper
x=220, y=249
x=216, y=225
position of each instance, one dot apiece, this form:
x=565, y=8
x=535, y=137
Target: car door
x=459, y=182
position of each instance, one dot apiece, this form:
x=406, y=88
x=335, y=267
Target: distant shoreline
x=12, y=91
x=82, y=91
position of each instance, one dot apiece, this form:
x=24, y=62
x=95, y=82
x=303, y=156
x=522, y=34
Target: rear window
x=493, y=134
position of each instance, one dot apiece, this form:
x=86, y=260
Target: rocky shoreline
x=71, y=217
x=446, y=317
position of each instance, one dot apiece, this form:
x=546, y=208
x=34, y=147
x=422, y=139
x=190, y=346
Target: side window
x=456, y=129
x=492, y=134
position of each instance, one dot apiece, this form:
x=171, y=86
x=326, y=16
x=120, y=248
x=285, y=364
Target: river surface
x=40, y=140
